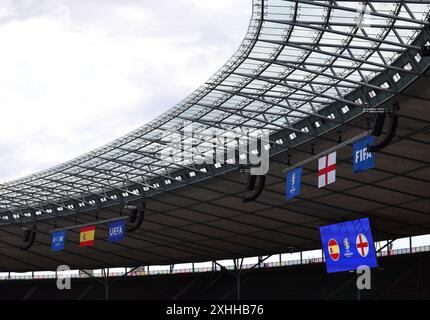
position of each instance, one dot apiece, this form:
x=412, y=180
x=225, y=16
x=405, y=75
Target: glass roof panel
x=298, y=57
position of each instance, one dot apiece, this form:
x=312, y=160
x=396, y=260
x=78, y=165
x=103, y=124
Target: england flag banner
x=327, y=170
x=293, y=183
x=363, y=160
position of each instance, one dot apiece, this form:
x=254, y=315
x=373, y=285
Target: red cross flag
x=327, y=170
x=362, y=245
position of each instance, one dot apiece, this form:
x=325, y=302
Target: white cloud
x=76, y=74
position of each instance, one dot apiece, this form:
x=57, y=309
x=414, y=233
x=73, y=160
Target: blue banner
x=363, y=160
x=294, y=178
x=116, y=231
x=58, y=239
x=348, y=245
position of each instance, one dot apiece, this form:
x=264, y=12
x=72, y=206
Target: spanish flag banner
x=87, y=236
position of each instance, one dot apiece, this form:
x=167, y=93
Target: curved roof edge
x=300, y=63
x=240, y=54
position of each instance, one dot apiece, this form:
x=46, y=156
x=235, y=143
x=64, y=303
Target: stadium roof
x=300, y=64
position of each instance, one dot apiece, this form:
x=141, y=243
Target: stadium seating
x=398, y=277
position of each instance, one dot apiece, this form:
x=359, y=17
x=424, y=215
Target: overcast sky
x=76, y=74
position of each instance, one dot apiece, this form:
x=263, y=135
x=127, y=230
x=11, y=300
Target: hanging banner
x=363, y=160
x=294, y=178
x=327, y=170
x=58, y=239
x=348, y=245
x=116, y=231
x=87, y=236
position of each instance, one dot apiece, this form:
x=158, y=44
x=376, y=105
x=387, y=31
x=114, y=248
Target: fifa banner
x=363, y=160
x=348, y=245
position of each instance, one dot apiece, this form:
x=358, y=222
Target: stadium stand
x=314, y=93
x=398, y=277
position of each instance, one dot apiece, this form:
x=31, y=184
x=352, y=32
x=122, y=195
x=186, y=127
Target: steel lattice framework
x=304, y=68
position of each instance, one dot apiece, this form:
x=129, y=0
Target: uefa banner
x=116, y=231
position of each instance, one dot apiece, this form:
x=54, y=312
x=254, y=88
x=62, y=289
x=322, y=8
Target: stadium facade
x=315, y=76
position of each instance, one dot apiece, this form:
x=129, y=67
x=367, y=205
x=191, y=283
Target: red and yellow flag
x=87, y=236
x=333, y=250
